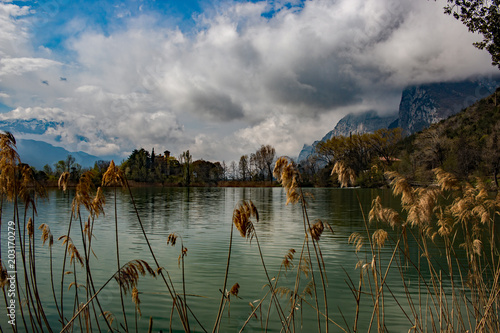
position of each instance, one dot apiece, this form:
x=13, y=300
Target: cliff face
x=358, y=124
x=427, y=104
x=351, y=124
x=420, y=107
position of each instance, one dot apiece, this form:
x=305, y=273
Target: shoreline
x=135, y=184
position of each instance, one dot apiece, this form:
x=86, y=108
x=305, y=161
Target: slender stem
x=219, y=313
x=118, y=263
x=278, y=306
x=170, y=286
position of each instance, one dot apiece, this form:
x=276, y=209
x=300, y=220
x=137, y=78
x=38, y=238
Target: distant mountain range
x=420, y=107
x=39, y=153
x=28, y=126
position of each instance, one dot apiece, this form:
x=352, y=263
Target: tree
x=137, y=165
x=354, y=151
x=491, y=153
x=244, y=167
x=48, y=170
x=483, y=17
x=70, y=160
x=186, y=159
x=431, y=148
x=101, y=166
x=60, y=167
x=217, y=172
x=233, y=169
x=384, y=143
x=263, y=159
x=224, y=170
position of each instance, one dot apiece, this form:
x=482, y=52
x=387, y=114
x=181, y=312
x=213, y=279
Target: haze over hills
x=39, y=153
x=420, y=107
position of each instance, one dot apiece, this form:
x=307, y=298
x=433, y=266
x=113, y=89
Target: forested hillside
x=466, y=144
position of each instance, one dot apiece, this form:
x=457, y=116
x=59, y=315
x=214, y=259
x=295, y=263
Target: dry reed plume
x=378, y=213
x=286, y=173
x=128, y=275
x=113, y=176
x=242, y=215
x=346, y=176
x=466, y=222
x=72, y=250
x=46, y=234
x=63, y=180
x=136, y=300
x=9, y=160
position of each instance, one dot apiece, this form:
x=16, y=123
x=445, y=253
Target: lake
x=201, y=217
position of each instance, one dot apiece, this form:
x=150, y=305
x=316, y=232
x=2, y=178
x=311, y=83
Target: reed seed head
x=242, y=215
x=9, y=159
x=171, y=239
x=286, y=173
x=379, y=237
x=109, y=316
x=98, y=202
x=113, y=176
x=235, y=289
x=477, y=246
x=308, y=289
x=305, y=266
x=385, y=215
x=46, y=234
x=346, y=175
x=29, y=189
x=446, y=180
x=445, y=222
x=83, y=195
x=63, y=181
x=400, y=186
x=30, y=227
x=128, y=276
x=288, y=260
x=182, y=255
x=72, y=250
x=136, y=300
x=316, y=230
x=282, y=291
x=357, y=240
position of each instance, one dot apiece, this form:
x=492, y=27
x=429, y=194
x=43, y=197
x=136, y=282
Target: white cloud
x=19, y=66
x=239, y=81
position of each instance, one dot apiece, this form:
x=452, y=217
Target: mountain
x=28, y=126
x=428, y=104
x=366, y=122
x=39, y=153
x=465, y=144
x=420, y=107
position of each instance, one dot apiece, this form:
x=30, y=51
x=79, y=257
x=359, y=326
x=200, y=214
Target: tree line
x=466, y=144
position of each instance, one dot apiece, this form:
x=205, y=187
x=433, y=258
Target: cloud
x=19, y=66
x=247, y=74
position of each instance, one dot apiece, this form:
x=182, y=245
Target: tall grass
x=449, y=219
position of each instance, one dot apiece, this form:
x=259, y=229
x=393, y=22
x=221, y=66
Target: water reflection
x=202, y=216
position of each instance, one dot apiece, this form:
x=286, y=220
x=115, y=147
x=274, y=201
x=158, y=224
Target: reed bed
x=450, y=219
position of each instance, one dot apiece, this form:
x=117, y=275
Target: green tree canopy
x=483, y=17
